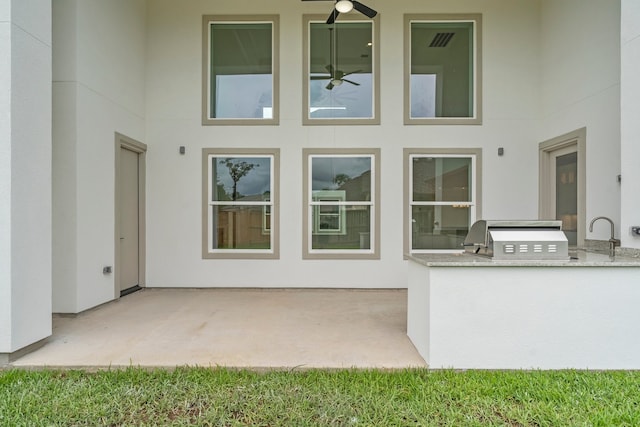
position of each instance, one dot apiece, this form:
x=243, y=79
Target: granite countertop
x=579, y=258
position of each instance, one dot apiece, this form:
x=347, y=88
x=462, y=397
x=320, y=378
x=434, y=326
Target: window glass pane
x=442, y=74
x=567, y=195
x=439, y=227
x=239, y=227
x=241, y=71
x=441, y=179
x=242, y=179
x=329, y=219
x=425, y=103
x=266, y=223
x=348, y=177
x=341, y=227
x=341, y=70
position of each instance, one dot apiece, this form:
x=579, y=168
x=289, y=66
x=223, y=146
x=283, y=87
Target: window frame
x=207, y=20
x=476, y=119
x=375, y=64
x=308, y=215
x=476, y=191
x=333, y=198
x=273, y=202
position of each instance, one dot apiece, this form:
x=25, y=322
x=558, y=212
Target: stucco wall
x=25, y=191
x=99, y=90
x=5, y=176
x=64, y=213
x=580, y=87
x=511, y=106
x=630, y=149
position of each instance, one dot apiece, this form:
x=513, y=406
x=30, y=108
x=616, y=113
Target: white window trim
x=476, y=119
x=207, y=20
x=474, y=205
x=207, y=241
x=374, y=228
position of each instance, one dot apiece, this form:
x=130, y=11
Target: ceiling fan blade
x=329, y=86
x=365, y=10
x=351, y=72
x=332, y=18
x=352, y=82
x=329, y=68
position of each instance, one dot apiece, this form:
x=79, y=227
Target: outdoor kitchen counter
x=582, y=313
x=579, y=258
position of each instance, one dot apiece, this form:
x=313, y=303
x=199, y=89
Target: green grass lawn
x=221, y=397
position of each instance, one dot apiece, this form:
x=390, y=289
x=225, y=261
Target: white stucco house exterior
x=89, y=88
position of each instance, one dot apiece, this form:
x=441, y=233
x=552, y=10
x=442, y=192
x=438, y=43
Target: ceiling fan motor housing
x=344, y=6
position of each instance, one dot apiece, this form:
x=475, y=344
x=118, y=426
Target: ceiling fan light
x=336, y=82
x=344, y=6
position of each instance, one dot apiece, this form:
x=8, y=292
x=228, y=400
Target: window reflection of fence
x=241, y=227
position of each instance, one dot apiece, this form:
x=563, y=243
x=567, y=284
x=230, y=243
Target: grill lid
x=518, y=240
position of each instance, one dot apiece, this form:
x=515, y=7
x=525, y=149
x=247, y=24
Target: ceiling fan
x=344, y=6
x=336, y=77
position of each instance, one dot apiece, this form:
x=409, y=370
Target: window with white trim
x=341, y=203
x=443, y=69
x=442, y=200
x=240, y=203
x=340, y=71
x=240, y=70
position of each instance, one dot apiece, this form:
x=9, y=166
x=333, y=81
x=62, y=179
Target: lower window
x=240, y=203
x=341, y=203
x=442, y=199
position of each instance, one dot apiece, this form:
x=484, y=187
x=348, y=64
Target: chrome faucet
x=613, y=242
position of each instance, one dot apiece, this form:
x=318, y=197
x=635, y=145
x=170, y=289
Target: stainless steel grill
x=518, y=240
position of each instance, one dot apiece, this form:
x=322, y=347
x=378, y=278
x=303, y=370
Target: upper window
x=340, y=71
x=240, y=76
x=441, y=198
x=240, y=203
x=341, y=203
x=443, y=69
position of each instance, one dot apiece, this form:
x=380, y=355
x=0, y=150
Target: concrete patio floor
x=253, y=328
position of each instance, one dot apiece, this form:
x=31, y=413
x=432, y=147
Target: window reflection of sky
x=256, y=182
x=326, y=169
x=244, y=96
x=345, y=100
x=423, y=95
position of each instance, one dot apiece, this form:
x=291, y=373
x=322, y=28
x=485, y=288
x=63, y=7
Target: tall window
x=240, y=70
x=240, y=203
x=340, y=72
x=341, y=203
x=441, y=199
x=443, y=69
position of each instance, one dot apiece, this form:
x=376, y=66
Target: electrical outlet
x=635, y=230
x=106, y=270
